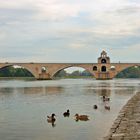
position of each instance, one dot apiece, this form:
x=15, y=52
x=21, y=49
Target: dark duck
x=67, y=113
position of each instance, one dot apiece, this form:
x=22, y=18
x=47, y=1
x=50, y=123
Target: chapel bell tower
x=102, y=70
x=103, y=59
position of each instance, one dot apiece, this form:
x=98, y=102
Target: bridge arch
x=55, y=73
x=125, y=68
x=17, y=65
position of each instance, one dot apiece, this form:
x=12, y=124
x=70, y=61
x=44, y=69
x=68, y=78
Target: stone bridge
x=102, y=70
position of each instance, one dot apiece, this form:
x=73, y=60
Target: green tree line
x=14, y=72
x=77, y=73
x=132, y=72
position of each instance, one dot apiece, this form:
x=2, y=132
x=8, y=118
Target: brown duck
x=81, y=117
x=51, y=119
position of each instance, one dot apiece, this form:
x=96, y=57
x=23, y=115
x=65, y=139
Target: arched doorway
x=103, y=68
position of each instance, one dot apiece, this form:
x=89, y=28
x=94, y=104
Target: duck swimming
x=66, y=114
x=81, y=117
x=107, y=107
x=51, y=119
x=95, y=107
x=105, y=98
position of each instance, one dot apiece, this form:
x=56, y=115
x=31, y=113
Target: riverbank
x=127, y=124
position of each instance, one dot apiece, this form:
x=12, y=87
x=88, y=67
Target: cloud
x=129, y=10
x=58, y=29
x=56, y=11
x=77, y=46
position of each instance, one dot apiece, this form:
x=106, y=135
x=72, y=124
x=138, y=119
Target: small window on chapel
x=103, y=61
x=95, y=68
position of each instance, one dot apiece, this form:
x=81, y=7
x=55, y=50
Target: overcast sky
x=69, y=30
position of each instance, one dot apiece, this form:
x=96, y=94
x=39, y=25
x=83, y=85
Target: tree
x=14, y=72
x=61, y=73
x=132, y=72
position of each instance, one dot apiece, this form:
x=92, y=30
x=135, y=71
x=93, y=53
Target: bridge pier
x=103, y=76
x=44, y=76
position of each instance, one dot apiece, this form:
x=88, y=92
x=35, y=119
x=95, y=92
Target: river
x=24, y=106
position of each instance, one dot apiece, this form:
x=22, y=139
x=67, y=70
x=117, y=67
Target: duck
x=95, y=107
x=51, y=119
x=105, y=98
x=81, y=117
x=67, y=113
x=107, y=107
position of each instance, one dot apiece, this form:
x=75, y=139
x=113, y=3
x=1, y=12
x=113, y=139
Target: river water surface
x=24, y=106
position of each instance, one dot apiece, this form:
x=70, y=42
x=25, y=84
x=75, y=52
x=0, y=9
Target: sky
x=69, y=30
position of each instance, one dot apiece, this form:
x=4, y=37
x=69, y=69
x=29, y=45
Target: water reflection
x=40, y=90
x=100, y=91
x=53, y=90
x=33, y=90
x=124, y=91
x=53, y=124
x=104, y=92
x=7, y=92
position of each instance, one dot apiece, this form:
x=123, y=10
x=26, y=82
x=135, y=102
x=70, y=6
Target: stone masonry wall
x=127, y=124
